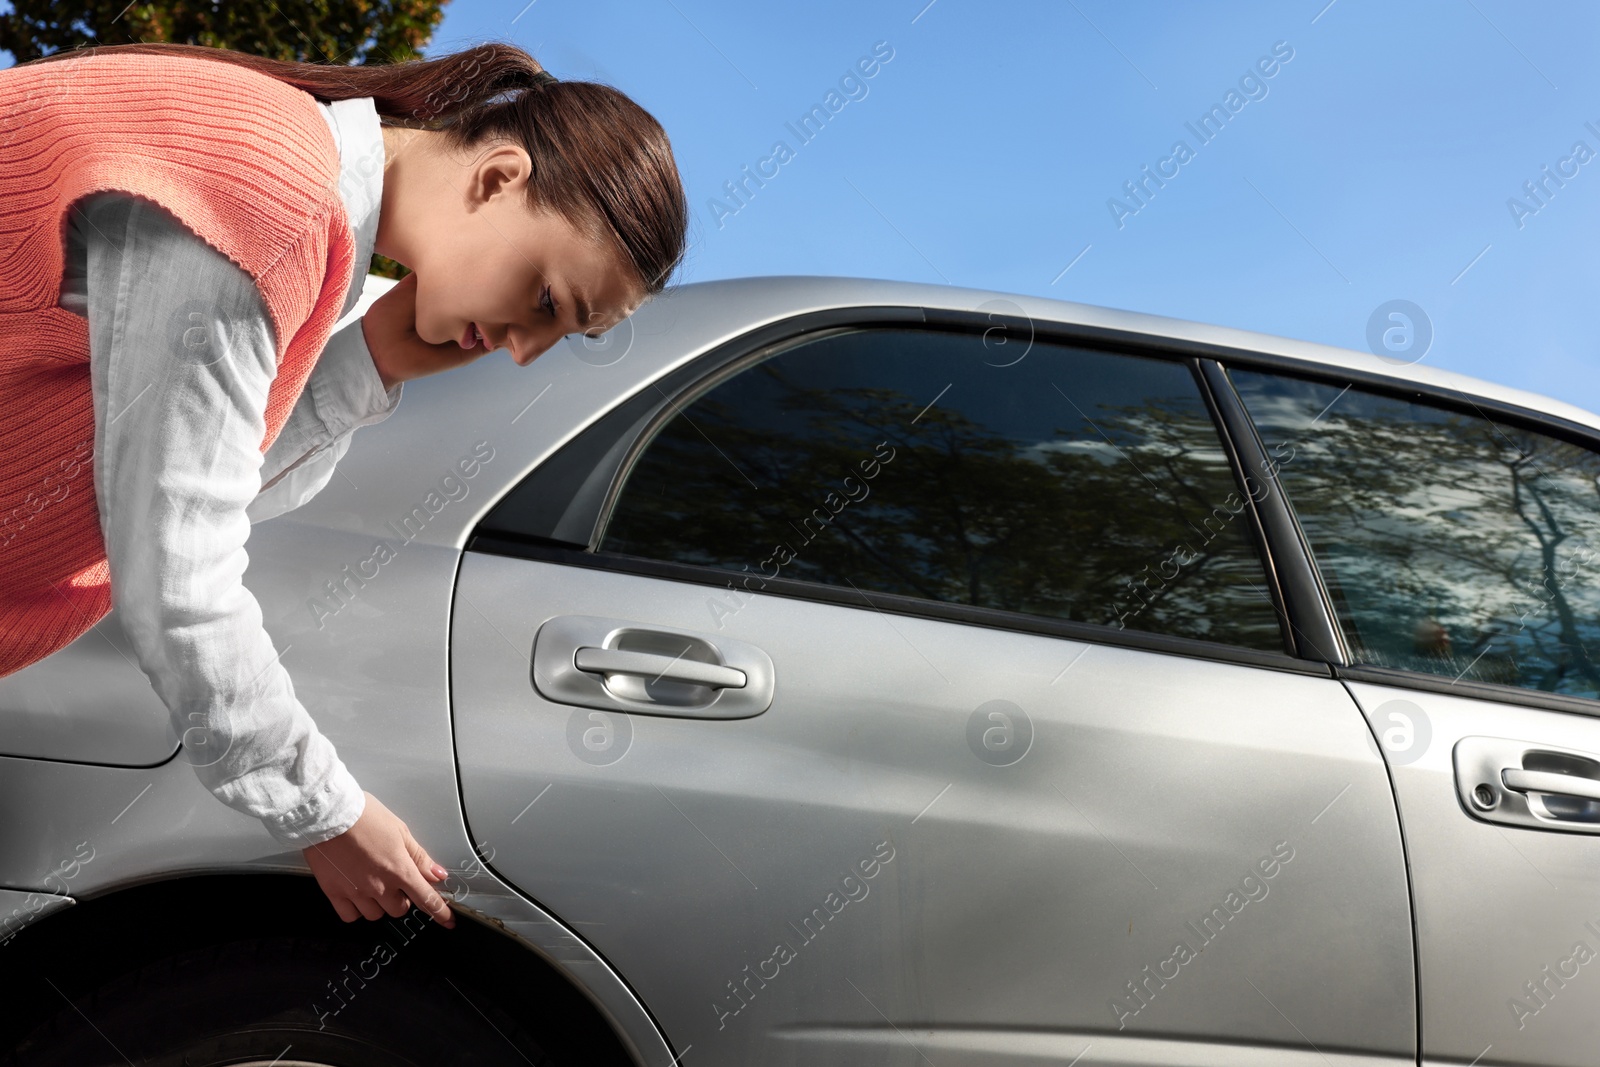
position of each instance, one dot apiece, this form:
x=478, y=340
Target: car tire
x=270, y=1001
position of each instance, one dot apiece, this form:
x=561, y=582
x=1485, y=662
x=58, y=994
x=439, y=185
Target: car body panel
x=374, y=667
x=375, y=678
x=92, y=705
x=1018, y=901
x=371, y=666
x=1498, y=907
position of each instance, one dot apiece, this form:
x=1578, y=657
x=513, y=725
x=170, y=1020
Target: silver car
x=849, y=672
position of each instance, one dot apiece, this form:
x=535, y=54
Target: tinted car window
x=1450, y=543
x=1042, y=479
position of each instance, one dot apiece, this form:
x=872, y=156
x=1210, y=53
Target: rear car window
x=1043, y=479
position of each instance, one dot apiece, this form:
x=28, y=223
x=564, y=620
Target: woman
x=213, y=239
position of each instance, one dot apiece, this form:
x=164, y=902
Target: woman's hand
x=376, y=867
x=390, y=327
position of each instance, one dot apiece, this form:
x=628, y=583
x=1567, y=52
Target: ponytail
x=599, y=160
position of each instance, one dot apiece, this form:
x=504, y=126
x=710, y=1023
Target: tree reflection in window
x=1070, y=483
x=1452, y=544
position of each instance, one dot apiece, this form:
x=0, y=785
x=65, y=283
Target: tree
x=302, y=31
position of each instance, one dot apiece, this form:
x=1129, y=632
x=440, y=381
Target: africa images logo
x=1141, y=990
x=1205, y=129
x=851, y=888
x=451, y=488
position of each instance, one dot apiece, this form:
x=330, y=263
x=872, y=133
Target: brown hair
x=599, y=160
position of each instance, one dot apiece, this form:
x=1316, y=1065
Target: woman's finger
x=430, y=901
x=370, y=908
x=430, y=869
x=347, y=911
x=395, y=903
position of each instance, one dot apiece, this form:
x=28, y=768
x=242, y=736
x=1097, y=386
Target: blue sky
x=1374, y=164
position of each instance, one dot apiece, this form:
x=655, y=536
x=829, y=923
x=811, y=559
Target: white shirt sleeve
x=182, y=354
x=343, y=393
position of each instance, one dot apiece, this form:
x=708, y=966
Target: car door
x=1459, y=540
x=884, y=687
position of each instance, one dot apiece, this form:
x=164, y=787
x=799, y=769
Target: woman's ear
x=502, y=171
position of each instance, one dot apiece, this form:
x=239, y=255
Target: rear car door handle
x=656, y=667
x=620, y=665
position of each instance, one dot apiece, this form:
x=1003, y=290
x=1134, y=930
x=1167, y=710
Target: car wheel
x=284, y=1001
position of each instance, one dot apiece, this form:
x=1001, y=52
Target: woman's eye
x=546, y=303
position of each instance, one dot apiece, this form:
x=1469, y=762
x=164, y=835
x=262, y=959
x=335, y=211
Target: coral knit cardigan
x=245, y=161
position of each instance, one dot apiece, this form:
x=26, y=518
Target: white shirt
x=182, y=354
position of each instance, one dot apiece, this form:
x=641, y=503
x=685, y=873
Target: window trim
x=1308, y=608
x=1497, y=692
x=616, y=438
x=1291, y=366
x=1455, y=400
x=1287, y=611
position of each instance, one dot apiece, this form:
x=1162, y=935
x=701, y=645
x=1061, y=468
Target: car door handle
x=622, y=665
x=1534, y=785
x=657, y=667
x=1562, y=785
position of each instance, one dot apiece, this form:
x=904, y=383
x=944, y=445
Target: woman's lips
x=468, y=338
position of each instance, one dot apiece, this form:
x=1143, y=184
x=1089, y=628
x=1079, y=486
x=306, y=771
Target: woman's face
x=484, y=259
